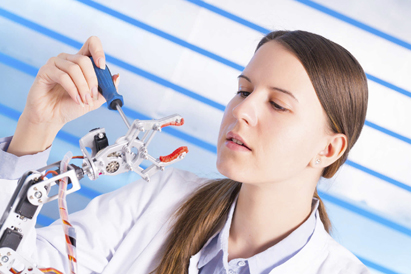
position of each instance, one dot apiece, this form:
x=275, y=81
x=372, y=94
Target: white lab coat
x=124, y=232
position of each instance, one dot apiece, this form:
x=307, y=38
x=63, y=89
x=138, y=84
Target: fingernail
x=94, y=93
x=78, y=99
x=89, y=100
x=101, y=63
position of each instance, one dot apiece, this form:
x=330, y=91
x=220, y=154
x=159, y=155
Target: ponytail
x=196, y=221
x=323, y=213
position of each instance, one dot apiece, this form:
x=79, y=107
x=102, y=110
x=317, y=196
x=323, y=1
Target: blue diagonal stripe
x=376, y=266
x=111, y=59
x=356, y=23
x=379, y=175
x=43, y=220
x=17, y=64
x=365, y=213
x=160, y=33
x=313, y=5
x=230, y=16
x=265, y=31
x=388, y=85
x=388, y=132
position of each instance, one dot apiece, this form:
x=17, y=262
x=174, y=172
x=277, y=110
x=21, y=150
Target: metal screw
x=31, y=197
x=38, y=194
x=4, y=259
x=162, y=168
x=101, y=135
x=35, y=188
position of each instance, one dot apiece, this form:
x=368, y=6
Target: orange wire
x=50, y=172
x=77, y=157
x=50, y=270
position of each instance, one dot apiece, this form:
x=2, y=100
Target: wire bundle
x=69, y=231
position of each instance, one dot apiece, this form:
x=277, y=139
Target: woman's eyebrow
x=275, y=88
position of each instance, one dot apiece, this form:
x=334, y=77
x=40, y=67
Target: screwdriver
x=108, y=90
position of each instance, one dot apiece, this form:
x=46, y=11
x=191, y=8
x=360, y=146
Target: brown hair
x=341, y=87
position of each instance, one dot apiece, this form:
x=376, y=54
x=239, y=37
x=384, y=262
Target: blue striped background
x=377, y=230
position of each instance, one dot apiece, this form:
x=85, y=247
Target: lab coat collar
x=314, y=251
x=211, y=250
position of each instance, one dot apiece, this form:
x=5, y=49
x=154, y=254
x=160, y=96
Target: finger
x=55, y=75
x=87, y=68
x=93, y=47
x=77, y=76
x=116, y=80
x=101, y=100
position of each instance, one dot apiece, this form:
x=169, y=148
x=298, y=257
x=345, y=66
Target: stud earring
x=317, y=161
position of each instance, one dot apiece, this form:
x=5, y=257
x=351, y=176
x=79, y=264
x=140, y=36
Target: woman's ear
x=337, y=144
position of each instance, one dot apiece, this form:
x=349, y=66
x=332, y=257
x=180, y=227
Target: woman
x=300, y=108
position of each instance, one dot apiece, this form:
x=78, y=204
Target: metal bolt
x=162, y=168
x=38, y=194
x=35, y=188
x=8, y=254
x=31, y=197
x=101, y=135
x=4, y=259
x=40, y=201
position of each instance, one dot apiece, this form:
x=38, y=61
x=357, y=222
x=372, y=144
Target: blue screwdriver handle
x=106, y=87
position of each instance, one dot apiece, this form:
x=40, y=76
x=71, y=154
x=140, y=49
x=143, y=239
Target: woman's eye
x=277, y=106
x=243, y=93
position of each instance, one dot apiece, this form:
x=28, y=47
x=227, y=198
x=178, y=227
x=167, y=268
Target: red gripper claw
x=176, y=153
x=174, y=124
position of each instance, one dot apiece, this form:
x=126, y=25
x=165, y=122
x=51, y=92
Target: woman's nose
x=246, y=111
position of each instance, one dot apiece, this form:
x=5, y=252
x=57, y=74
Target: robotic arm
x=33, y=188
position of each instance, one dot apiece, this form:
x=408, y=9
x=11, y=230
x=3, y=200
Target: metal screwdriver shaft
x=120, y=110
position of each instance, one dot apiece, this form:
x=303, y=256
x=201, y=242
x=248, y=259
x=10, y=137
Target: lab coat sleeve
x=12, y=167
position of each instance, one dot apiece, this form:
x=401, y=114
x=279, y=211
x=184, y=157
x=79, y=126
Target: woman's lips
x=237, y=140
x=236, y=147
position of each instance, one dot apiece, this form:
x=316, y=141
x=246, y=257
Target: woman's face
x=276, y=115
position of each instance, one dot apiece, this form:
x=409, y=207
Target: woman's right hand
x=64, y=89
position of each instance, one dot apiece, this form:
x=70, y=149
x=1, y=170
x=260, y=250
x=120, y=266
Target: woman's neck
x=265, y=214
